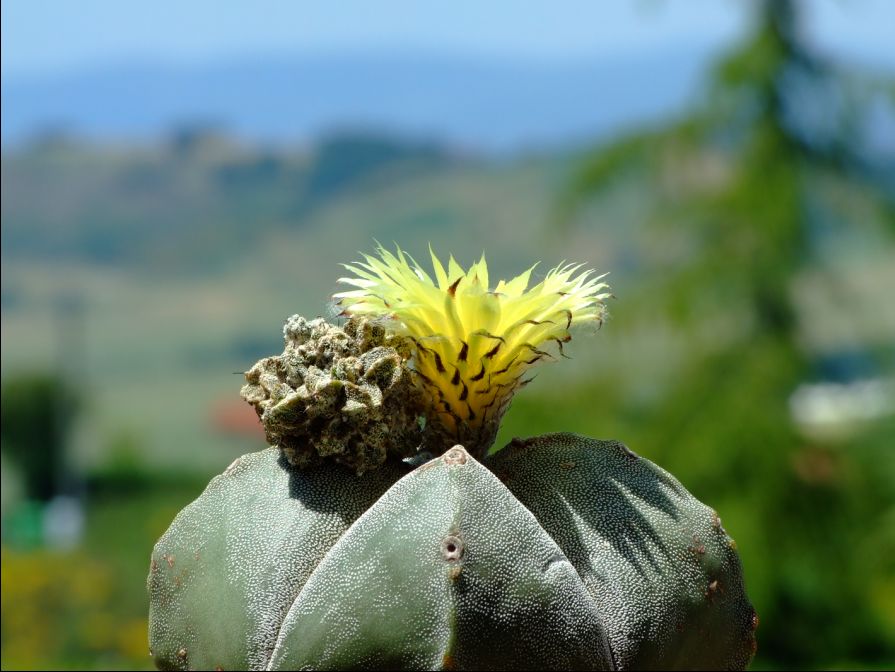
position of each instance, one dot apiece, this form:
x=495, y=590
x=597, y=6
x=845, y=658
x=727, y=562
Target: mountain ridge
x=496, y=105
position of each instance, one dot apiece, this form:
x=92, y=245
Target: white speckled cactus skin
x=557, y=553
x=663, y=572
x=226, y=572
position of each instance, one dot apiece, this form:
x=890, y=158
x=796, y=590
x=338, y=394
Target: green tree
x=37, y=414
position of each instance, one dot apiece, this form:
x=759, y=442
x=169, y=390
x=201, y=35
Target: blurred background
x=178, y=178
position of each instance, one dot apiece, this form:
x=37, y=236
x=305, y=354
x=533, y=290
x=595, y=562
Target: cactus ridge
x=446, y=570
x=226, y=571
x=665, y=574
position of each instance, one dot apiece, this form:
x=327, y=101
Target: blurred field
x=84, y=608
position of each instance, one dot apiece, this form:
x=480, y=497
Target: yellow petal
x=472, y=345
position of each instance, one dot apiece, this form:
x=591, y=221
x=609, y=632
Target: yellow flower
x=472, y=344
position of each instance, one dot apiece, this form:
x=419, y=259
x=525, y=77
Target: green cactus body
x=557, y=553
x=446, y=570
x=665, y=576
x=224, y=575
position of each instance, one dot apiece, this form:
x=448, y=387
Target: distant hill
x=481, y=104
x=190, y=202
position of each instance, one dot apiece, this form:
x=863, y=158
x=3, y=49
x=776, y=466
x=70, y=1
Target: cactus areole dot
x=455, y=455
x=452, y=548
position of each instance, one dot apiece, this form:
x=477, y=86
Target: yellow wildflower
x=472, y=344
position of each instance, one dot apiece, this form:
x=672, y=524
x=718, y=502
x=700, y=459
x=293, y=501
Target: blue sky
x=55, y=36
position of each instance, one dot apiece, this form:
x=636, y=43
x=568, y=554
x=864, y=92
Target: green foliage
x=37, y=412
x=86, y=608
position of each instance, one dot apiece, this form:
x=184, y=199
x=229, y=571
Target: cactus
x=225, y=573
x=559, y=553
x=446, y=570
x=347, y=547
x=663, y=572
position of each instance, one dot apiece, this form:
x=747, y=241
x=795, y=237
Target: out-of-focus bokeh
x=178, y=178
